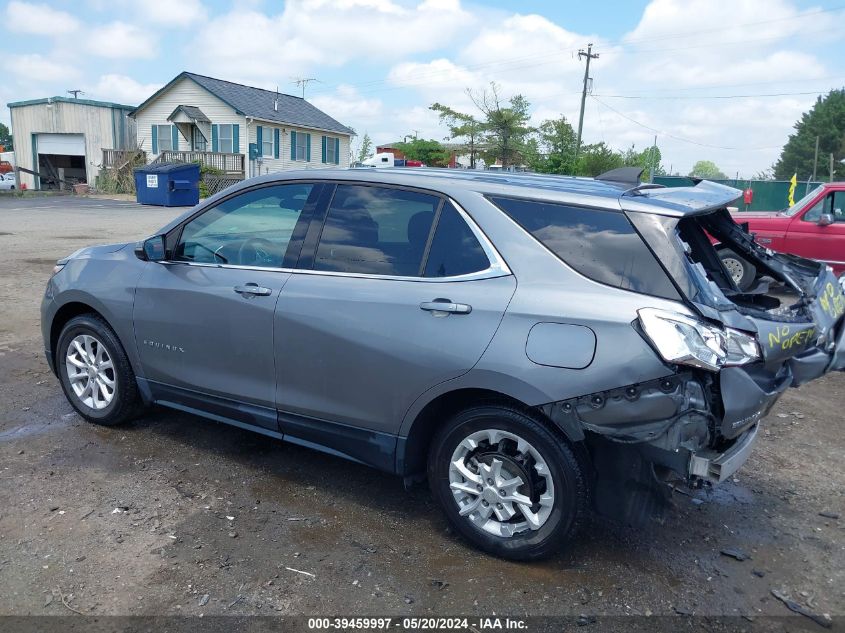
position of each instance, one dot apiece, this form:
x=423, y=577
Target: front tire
x=95, y=373
x=507, y=483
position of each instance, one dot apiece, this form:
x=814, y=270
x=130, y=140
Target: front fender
x=106, y=284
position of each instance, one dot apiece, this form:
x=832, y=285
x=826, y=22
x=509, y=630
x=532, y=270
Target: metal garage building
x=59, y=141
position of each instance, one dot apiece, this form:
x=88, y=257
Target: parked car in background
x=814, y=227
x=527, y=343
x=7, y=181
x=6, y=167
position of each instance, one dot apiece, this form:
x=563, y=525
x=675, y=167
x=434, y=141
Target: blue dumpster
x=168, y=185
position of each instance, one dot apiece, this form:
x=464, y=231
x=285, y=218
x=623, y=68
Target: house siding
x=184, y=92
x=101, y=126
x=271, y=164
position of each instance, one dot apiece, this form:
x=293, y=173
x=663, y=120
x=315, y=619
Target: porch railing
x=120, y=157
x=229, y=164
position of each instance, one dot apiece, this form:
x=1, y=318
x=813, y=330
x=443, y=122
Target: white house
x=195, y=117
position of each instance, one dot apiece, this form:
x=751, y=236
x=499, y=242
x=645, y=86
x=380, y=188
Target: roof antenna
x=75, y=93
x=302, y=82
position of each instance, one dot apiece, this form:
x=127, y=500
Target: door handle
x=446, y=305
x=253, y=290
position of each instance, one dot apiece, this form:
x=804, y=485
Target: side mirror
x=151, y=249
x=826, y=219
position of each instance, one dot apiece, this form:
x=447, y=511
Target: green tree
x=6, y=137
x=648, y=159
x=464, y=128
x=366, y=148
x=506, y=128
x=552, y=151
x=708, y=170
x=598, y=158
x=430, y=152
x=825, y=120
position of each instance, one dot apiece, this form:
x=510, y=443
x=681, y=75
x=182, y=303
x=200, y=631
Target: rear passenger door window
x=395, y=232
x=376, y=230
x=454, y=249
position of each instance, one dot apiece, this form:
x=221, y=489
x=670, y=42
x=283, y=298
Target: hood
x=93, y=251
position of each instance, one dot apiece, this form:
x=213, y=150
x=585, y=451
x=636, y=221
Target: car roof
x=607, y=194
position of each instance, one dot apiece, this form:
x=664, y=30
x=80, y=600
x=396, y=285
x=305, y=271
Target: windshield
x=795, y=208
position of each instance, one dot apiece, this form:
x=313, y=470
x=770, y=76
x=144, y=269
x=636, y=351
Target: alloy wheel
x=501, y=483
x=90, y=372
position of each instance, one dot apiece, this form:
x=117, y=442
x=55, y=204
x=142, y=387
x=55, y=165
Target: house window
x=300, y=147
x=165, y=138
x=224, y=143
x=267, y=142
x=331, y=157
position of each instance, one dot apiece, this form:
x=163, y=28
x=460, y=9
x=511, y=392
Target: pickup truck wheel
x=95, y=373
x=506, y=483
x=741, y=271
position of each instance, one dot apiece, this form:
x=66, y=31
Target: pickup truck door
x=807, y=238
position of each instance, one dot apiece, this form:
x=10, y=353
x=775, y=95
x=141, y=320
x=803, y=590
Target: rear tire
x=95, y=373
x=488, y=503
x=741, y=271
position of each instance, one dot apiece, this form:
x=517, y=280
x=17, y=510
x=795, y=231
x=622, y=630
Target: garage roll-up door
x=65, y=144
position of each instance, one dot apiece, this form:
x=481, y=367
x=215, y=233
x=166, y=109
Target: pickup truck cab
x=813, y=227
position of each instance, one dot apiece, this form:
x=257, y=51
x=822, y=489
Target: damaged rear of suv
x=732, y=352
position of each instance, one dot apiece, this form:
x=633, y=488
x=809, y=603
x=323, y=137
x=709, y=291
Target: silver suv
x=532, y=345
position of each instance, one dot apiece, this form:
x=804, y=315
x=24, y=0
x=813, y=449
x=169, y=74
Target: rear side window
x=454, y=249
x=376, y=230
x=601, y=245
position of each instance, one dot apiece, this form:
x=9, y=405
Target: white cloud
x=38, y=19
x=39, y=68
x=345, y=104
x=677, y=46
x=119, y=40
x=308, y=34
x=122, y=89
x=179, y=13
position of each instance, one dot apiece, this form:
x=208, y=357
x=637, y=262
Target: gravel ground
x=174, y=514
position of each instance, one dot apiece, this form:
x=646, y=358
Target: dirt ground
x=174, y=514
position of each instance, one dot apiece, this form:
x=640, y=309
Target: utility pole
x=653, y=161
x=816, y=159
x=589, y=55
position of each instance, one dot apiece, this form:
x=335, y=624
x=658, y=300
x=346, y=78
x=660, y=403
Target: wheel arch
x=413, y=448
x=75, y=307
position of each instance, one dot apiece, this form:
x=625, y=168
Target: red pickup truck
x=813, y=227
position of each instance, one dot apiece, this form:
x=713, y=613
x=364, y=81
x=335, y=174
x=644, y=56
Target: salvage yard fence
x=769, y=195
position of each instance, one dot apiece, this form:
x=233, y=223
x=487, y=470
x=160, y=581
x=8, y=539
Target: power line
x=746, y=96
x=680, y=138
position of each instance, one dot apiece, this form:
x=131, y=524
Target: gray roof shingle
x=258, y=103
x=192, y=111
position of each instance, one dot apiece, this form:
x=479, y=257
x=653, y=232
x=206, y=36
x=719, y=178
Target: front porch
x=195, y=127
x=231, y=165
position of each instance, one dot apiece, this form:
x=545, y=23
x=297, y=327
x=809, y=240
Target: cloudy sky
x=722, y=80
